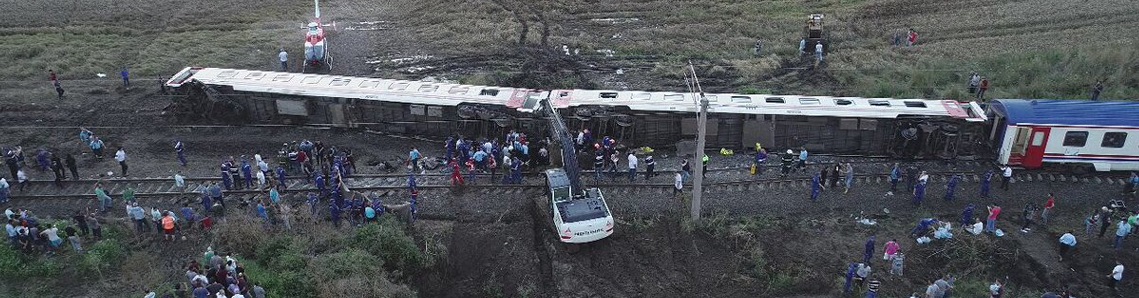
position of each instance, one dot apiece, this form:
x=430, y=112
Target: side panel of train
x=1101, y=148
x=654, y=129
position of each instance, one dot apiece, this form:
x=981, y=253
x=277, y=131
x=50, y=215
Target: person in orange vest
x=168, y=226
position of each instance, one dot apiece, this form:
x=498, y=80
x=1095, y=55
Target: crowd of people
x=217, y=276
x=29, y=234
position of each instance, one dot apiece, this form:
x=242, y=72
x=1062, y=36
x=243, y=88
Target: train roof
x=448, y=94
x=1068, y=112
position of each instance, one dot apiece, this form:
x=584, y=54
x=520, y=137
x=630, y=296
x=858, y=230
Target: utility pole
x=701, y=127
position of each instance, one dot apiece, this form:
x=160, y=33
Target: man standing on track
x=104, y=199
x=121, y=157
x=246, y=173
x=71, y=165
x=895, y=176
x=650, y=167
x=632, y=166
x=180, y=149
x=919, y=193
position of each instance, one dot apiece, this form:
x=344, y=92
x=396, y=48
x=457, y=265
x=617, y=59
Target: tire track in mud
x=542, y=248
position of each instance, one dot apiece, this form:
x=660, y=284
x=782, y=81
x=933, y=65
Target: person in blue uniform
x=281, y=175
x=247, y=173
x=225, y=178
x=313, y=200
x=411, y=185
x=951, y=187
x=450, y=146
x=967, y=215
x=816, y=187
x=760, y=160
x=846, y=288
x=378, y=205
x=318, y=179
x=334, y=210
x=869, y=251
x=923, y=227
x=181, y=150
x=986, y=183
x=414, y=206
x=919, y=193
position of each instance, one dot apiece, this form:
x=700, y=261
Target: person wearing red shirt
x=913, y=38
x=994, y=213
x=984, y=87
x=1044, y=215
x=456, y=174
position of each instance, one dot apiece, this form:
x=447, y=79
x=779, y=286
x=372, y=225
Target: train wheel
x=1080, y=169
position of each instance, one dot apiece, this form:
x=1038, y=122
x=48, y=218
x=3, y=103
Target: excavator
x=813, y=34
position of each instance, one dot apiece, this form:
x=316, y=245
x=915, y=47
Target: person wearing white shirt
x=21, y=178
x=1067, y=242
x=1006, y=175
x=284, y=57
x=1116, y=274
x=632, y=166
x=180, y=181
x=121, y=157
x=819, y=51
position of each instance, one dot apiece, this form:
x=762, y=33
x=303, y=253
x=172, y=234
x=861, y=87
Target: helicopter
x=317, y=57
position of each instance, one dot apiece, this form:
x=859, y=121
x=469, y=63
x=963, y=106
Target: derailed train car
x=840, y=125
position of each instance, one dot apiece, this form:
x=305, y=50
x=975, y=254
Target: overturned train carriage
x=843, y=125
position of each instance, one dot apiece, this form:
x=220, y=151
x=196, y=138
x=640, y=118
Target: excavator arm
x=560, y=134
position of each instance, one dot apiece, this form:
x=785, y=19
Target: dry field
x=1028, y=48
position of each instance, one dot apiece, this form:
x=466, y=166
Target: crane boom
x=560, y=134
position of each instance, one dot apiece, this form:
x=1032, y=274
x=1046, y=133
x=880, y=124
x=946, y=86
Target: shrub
x=392, y=245
x=240, y=235
x=14, y=264
x=102, y=255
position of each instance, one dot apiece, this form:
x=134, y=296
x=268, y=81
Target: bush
x=240, y=235
x=102, y=255
x=392, y=245
x=14, y=264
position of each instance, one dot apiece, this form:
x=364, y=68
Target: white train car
x=1079, y=134
x=820, y=123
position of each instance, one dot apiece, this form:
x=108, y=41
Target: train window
x=428, y=88
x=879, y=103
x=608, y=94
x=674, y=97
x=398, y=86
x=254, y=76
x=282, y=77
x=914, y=104
x=1114, y=139
x=773, y=100
x=1075, y=138
x=337, y=82
x=563, y=94
x=1038, y=139
x=809, y=101
x=311, y=79
x=489, y=92
x=843, y=102
x=741, y=99
x=227, y=74
x=642, y=95
x=459, y=89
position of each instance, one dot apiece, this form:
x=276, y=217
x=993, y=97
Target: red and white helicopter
x=317, y=56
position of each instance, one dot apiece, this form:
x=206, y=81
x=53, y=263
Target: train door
x=1019, y=145
x=1034, y=158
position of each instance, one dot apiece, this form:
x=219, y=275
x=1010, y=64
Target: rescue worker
x=318, y=179
x=951, y=187
x=450, y=147
x=986, y=183
x=760, y=160
x=96, y=147
x=225, y=178
x=334, y=211
x=650, y=166
x=919, y=193
x=247, y=173
x=788, y=161
x=632, y=166
x=598, y=164
x=281, y=176
x=816, y=187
